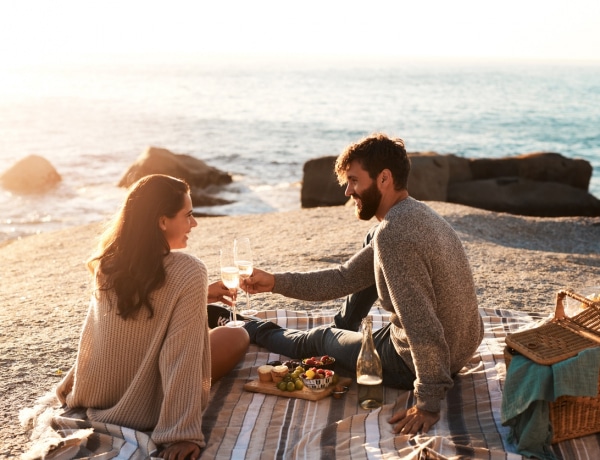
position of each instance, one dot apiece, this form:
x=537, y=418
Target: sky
x=33, y=30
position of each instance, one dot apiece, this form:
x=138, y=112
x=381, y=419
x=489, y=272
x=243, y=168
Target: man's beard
x=369, y=202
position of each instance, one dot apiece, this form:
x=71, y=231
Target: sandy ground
x=518, y=262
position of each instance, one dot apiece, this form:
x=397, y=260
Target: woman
x=144, y=358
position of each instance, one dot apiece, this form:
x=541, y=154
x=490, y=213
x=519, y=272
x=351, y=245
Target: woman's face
x=176, y=228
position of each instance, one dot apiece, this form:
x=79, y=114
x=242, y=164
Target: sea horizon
x=262, y=118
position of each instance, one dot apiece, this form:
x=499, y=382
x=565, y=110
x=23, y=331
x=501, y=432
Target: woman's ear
x=162, y=223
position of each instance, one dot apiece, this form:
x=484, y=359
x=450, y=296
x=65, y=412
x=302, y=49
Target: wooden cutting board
x=269, y=388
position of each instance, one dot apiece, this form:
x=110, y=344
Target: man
x=422, y=277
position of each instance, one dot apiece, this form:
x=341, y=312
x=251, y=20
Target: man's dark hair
x=376, y=153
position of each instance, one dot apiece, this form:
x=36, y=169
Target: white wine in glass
x=230, y=275
x=242, y=253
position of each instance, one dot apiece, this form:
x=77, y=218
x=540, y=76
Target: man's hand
x=218, y=292
x=181, y=450
x=413, y=420
x=260, y=281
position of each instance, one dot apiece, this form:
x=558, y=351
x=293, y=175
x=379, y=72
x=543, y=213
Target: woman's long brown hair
x=129, y=259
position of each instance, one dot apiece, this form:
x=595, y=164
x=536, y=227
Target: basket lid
x=561, y=338
x=549, y=343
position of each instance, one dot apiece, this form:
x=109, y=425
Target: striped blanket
x=245, y=425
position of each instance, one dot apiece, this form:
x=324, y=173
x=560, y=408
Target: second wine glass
x=242, y=253
x=230, y=275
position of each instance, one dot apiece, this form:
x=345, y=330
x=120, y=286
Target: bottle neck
x=367, y=328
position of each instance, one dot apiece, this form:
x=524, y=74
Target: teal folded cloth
x=528, y=389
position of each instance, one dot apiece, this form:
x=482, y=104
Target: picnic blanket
x=243, y=425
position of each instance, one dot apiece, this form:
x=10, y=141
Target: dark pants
x=357, y=305
x=340, y=340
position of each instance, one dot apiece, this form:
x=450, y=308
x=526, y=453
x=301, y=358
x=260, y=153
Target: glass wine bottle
x=369, y=374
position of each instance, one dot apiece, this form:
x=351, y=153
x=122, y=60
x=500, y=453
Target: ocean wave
x=263, y=123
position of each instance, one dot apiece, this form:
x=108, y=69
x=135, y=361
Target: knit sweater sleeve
x=184, y=363
x=354, y=275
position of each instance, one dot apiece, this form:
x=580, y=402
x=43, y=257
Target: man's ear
x=385, y=177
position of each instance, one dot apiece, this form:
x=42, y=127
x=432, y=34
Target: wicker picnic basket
x=557, y=340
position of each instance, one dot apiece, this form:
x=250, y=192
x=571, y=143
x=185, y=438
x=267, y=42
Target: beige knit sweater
x=149, y=374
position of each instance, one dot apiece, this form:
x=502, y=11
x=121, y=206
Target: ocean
x=262, y=119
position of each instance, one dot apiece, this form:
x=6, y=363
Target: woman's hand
x=218, y=292
x=65, y=386
x=260, y=281
x=181, y=450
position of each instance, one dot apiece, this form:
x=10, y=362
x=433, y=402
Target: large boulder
x=319, y=184
x=428, y=179
x=32, y=174
x=459, y=168
x=515, y=195
x=194, y=171
x=537, y=166
x=535, y=184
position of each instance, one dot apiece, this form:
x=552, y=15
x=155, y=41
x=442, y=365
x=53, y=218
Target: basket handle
x=559, y=311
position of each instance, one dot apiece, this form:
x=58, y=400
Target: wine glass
x=230, y=275
x=242, y=253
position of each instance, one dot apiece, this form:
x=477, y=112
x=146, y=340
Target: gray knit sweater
x=424, y=279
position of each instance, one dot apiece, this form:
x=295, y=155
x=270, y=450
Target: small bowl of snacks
x=317, y=379
x=320, y=362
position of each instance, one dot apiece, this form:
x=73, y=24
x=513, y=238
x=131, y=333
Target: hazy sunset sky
x=523, y=29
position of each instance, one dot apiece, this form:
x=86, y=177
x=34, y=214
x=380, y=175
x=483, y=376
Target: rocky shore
x=518, y=262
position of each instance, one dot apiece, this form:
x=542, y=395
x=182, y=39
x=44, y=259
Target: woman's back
x=123, y=364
